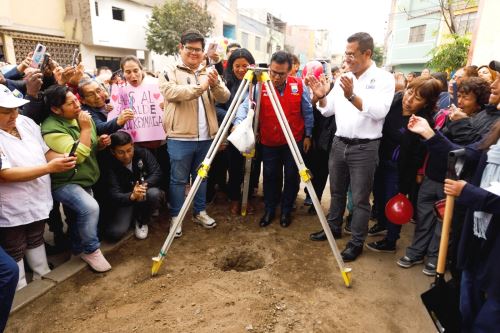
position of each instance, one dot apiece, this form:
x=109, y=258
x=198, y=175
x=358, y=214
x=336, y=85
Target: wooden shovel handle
x=445, y=234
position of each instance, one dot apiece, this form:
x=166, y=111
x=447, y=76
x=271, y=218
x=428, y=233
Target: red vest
x=270, y=129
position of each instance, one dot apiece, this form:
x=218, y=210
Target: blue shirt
x=305, y=105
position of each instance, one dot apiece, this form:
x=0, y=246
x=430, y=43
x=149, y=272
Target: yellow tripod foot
x=346, y=275
x=157, y=261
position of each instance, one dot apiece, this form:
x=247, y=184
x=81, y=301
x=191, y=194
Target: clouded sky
x=341, y=17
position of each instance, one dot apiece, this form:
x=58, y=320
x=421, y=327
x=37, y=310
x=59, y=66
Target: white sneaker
x=141, y=231
x=205, y=220
x=178, y=231
x=96, y=261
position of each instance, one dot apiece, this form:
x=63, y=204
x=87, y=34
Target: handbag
x=439, y=207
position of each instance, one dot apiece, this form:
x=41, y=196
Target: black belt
x=349, y=141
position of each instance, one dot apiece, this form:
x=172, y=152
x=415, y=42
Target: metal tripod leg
x=249, y=157
x=203, y=170
x=305, y=176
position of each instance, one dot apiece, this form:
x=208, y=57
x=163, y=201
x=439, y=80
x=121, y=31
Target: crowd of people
x=372, y=133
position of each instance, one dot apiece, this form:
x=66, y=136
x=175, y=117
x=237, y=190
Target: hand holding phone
x=74, y=58
x=73, y=149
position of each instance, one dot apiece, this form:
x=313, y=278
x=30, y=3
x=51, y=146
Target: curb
x=58, y=275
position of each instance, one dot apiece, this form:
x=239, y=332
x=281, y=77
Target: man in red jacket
x=276, y=155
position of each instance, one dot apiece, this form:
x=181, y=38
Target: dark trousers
x=276, y=161
x=317, y=162
x=386, y=185
x=15, y=240
x=9, y=275
x=124, y=216
x=480, y=312
x=427, y=231
x=354, y=164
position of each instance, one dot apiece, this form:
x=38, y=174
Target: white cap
x=8, y=100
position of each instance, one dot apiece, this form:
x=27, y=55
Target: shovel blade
x=442, y=302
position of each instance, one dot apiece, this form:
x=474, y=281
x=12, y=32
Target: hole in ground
x=240, y=261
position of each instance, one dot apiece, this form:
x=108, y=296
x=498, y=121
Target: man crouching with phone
x=132, y=180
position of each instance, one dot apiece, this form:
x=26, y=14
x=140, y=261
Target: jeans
x=428, y=230
x=9, y=275
x=480, y=313
x=354, y=164
x=83, y=217
x=124, y=216
x=185, y=158
x=275, y=160
x=386, y=185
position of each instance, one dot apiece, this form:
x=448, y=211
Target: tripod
x=263, y=79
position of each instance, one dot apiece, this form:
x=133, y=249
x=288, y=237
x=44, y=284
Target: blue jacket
x=100, y=117
x=477, y=255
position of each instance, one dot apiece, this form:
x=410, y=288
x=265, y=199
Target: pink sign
x=144, y=100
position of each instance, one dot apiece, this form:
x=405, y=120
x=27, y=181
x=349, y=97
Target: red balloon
x=313, y=67
x=399, y=209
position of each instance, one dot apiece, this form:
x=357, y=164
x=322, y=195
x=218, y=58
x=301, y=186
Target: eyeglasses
x=277, y=74
x=350, y=56
x=193, y=49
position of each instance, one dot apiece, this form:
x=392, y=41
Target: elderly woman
x=25, y=186
x=66, y=124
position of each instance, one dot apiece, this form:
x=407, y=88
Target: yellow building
x=24, y=23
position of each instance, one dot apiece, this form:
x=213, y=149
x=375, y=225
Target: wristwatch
x=352, y=97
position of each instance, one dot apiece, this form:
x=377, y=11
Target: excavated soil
x=237, y=277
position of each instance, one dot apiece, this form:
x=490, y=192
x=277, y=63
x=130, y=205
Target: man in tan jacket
x=190, y=90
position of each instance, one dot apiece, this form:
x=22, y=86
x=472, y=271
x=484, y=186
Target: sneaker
x=141, y=231
x=429, y=269
x=96, y=261
x=178, y=231
x=382, y=246
x=407, y=262
x=308, y=201
x=205, y=220
x=377, y=229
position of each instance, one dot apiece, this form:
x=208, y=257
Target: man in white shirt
x=360, y=103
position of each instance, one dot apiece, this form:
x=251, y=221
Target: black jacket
x=121, y=181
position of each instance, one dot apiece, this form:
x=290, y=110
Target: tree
x=378, y=55
x=450, y=56
x=170, y=20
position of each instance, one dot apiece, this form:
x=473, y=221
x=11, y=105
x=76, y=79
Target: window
x=96, y=5
x=244, y=40
x=465, y=23
x=118, y=14
x=417, y=34
x=257, y=43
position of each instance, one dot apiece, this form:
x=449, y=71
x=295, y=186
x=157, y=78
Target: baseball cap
x=495, y=65
x=8, y=100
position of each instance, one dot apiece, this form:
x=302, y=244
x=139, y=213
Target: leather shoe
x=321, y=236
x=285, y=220
x=351, y=252
x=266, y=219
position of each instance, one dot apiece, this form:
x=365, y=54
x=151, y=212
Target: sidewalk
x=62, y=272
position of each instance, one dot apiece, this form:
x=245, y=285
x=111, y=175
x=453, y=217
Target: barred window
x=417, y=34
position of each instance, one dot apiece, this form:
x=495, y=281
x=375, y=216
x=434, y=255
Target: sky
x=341, y=17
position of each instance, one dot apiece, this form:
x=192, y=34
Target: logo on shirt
x=371, y=85
x=294, y=87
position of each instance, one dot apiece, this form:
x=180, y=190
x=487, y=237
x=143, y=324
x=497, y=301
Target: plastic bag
x=243, y=137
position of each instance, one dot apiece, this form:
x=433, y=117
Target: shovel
x=442, y=300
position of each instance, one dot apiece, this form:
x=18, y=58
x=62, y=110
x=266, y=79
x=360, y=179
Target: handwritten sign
x=144, y=100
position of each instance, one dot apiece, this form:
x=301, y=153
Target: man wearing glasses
x=190, y=90
x=360, y=103
x=276, y=155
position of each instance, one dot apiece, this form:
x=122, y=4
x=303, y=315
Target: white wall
x=130, y=34
x=486, y=40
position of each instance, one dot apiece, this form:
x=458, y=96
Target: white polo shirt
x=376, y=88
x=24, y=202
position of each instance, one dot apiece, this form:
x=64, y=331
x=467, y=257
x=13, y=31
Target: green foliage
x=170, y=20
x=450, y=56
x=378, y=55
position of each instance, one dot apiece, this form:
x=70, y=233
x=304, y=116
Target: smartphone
x=73, y=149
x=45, y=63
x=74, y=58
x=38, y=55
